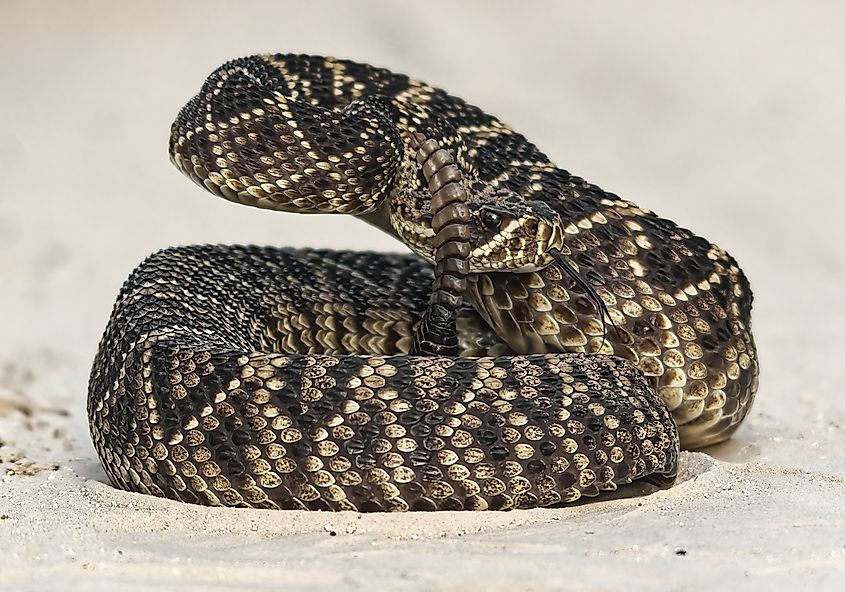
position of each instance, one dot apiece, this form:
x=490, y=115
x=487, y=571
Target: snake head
x=507, y=232
x=510, y=233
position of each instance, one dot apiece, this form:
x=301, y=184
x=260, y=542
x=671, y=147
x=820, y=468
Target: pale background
x=728, y=117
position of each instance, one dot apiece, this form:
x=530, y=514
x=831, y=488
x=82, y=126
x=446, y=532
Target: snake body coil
x=280, y=378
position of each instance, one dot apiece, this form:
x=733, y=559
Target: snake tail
x=437, y=332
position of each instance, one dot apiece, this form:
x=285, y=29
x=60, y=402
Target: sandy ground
x=727, y=117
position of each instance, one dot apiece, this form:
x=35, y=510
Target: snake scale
x=594, y=337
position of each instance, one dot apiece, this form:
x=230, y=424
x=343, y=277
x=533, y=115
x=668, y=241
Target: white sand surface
x=727, y=117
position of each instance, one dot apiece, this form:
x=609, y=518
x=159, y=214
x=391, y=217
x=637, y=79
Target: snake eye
x=490, y=219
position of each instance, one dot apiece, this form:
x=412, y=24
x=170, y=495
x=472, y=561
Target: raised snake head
x=507, y=233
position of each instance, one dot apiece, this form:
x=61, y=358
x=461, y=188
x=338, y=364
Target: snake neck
x=380, y=218
x=385, y=217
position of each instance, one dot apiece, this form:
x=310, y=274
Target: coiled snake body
x=281, y=378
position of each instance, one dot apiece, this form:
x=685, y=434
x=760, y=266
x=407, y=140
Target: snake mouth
x=550, y=242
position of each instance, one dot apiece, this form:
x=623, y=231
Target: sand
x=725, y=117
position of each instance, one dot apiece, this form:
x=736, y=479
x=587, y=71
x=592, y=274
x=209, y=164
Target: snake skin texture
x=191, y=407
x=277, y=378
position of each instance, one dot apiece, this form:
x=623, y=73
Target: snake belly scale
x=280, y=378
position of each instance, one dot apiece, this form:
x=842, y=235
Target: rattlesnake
x=280, y=378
